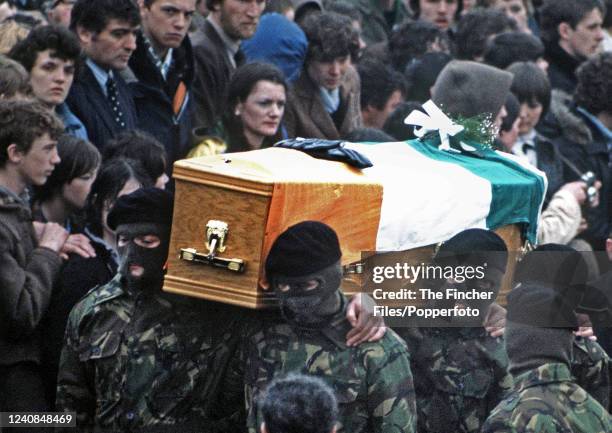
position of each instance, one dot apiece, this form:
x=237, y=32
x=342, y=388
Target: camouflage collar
x=339, y=326
x=466, y=333
x=335, y=331
x=543, y=375
x=111, y=290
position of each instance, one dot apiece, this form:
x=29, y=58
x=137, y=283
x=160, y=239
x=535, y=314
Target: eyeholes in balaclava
x=309, y=301
x=142, y=257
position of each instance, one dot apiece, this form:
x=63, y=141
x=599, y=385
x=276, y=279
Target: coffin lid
x=269, y=166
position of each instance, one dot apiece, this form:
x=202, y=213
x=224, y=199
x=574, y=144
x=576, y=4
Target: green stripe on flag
x=517, y=193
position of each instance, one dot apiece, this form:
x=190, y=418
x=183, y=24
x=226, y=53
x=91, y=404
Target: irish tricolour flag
x=442, y=192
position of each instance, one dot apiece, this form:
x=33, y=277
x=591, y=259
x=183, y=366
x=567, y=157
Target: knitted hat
x=468, y=89
x=145, y=205
x=303, y=249
x=476, y=246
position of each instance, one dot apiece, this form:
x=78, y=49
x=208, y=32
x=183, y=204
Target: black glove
x=332, y=150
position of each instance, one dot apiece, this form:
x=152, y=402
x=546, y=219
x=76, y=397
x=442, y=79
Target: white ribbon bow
x=434, y=120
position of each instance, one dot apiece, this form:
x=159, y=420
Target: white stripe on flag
x=424, y=201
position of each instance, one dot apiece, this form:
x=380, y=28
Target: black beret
x=303, y=249
x=554, y=265
x=558, y=267
x=475, y=246
x=145, y=205
x=540, y=306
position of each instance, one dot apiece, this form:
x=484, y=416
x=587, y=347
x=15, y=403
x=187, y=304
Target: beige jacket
x=306, y=117
x=559, y=222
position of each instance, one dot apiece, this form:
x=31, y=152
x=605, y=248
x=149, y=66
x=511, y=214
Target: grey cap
x=468, y=89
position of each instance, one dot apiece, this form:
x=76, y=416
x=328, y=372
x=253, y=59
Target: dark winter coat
x=549, y=161
x=213, y=70
x=581, y=143
x=78, y=277
x=27, y=274
x=154, y=96
x=561, y=68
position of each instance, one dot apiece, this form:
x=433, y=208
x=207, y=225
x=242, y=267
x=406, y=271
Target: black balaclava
x=306, y=252
x=152, y=260
x=474, y=248
x=313, y=308
x=146, y=211
x=529, y=347
x=539, y=328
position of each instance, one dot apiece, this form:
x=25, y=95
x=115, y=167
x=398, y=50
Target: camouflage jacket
x=136, y=361
x=372, y=382
x=460, y=374
x=547, y=400
x=592, y=369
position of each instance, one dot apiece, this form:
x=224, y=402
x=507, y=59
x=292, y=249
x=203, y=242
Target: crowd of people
x=98, y=99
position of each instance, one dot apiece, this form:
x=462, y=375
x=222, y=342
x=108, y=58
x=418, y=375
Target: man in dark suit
x=161, y=73
x=107, y=30
x=216, y=49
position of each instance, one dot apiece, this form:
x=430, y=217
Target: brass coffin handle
x=353, y=268
x=216, y=235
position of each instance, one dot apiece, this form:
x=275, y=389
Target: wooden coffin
x=258, y=195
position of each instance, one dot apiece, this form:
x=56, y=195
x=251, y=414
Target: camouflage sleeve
x=501, y=389
x=255, y=380
x=75, y=390
x=231, y=398
x=534, y=417
x=498, y=425
x=251, y=394
x=504, y=383
x=544, y=419
x=593, y=371
x=391, y=397
x=556, y=408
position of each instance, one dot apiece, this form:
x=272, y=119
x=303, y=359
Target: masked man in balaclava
x=372, y=382
x=564, y=270
x=539, y=343
x=460, y=371
x=136, y=358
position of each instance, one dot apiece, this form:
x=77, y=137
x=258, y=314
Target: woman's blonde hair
x=11, y=32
